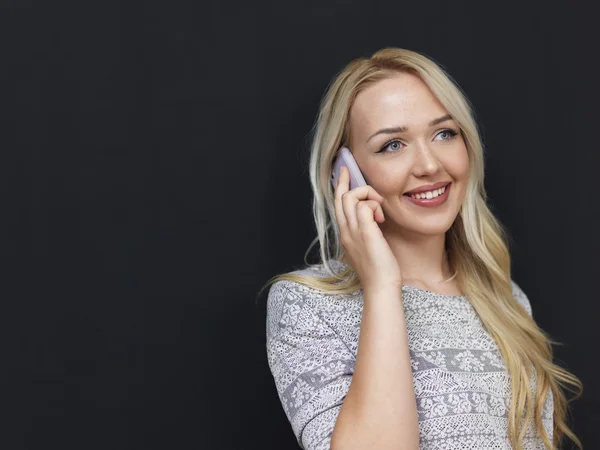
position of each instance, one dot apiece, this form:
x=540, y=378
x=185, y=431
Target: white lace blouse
x=461, y=384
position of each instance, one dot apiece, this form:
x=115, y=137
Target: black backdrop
x=154, y=177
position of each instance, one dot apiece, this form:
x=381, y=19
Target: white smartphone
x=345, y=158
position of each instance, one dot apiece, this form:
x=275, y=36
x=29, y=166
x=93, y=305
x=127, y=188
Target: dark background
x=154, y=177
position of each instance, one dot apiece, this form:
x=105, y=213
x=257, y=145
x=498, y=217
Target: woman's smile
x=430, y=199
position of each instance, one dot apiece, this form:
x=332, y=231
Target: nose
x=425, y=162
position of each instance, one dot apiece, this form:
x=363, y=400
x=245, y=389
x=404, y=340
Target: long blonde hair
x=476, y=243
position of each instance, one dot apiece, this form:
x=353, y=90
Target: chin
x=433, y=227
x=430, y=231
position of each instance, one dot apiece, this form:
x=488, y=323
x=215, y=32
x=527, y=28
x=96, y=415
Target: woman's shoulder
x=321, y=269
x=290, y=291
x=521, y=297
x=292, y=302
x=301, y=290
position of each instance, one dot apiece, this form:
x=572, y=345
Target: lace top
x=461, y=385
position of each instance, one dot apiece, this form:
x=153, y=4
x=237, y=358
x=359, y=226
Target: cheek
x=393, y=181
x=457, y=164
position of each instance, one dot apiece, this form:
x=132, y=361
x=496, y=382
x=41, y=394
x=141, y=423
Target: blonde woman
x=409, y=333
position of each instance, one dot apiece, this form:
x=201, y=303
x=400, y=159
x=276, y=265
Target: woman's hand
x=358, y=211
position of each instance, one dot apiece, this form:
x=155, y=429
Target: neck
x=420, y=257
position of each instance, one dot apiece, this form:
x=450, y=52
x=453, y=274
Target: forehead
x=401, y=100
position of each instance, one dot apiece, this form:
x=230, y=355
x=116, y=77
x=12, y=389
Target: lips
x=427, y=187
x=430, y=202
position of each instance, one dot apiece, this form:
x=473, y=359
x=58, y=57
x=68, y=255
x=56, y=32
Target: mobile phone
x=345, y=158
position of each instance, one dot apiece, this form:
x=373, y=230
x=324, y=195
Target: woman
x=410, y=332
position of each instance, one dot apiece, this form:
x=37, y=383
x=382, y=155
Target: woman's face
x=402, y=140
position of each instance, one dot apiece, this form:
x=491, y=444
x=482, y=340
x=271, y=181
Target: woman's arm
x=312, y=367
x=380, y=409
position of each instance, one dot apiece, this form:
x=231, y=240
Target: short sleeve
x=521, y=297
x=311, y=365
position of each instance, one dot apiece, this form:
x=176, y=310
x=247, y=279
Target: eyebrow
x=404, y=129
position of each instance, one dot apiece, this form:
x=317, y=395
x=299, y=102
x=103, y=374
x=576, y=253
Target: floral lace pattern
x=461, y=384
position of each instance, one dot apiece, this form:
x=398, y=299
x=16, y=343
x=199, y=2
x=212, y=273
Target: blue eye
x=449, y=132
x=394, y=144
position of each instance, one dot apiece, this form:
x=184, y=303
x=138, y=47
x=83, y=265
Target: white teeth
x=429, y=194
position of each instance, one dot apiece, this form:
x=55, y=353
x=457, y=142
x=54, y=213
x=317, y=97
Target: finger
x=379, y=216
x=349, y=202
x=367, y=193
x=351, y=199
x=343, y=181
x=340, y=189
x=366, y=211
